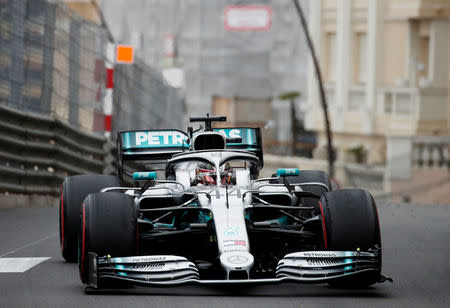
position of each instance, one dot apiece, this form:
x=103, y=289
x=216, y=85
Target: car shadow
x=279, y=290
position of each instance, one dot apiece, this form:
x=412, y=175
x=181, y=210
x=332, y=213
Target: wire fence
x=143, y=99
x=52, y=62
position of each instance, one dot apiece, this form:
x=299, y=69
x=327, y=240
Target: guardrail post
x=49, y=41
x=108, y=100
x=74, y=71
x=17, y=53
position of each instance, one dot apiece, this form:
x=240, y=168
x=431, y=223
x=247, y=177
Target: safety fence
x=52, y=62
x=144, y=100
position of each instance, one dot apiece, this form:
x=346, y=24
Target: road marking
x=28, y=245
x=19, y=265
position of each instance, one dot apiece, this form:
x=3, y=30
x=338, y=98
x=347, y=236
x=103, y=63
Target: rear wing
x=153, y=146
x=250, y=139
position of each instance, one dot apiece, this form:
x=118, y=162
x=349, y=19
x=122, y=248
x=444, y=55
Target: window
x=362, y=58
x=403, y=104
x=331, y=57
x=388, y=103
x=424, y=51
x=419, y=45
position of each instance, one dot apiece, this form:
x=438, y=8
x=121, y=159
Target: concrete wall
x=425, y=186
x=417, y=169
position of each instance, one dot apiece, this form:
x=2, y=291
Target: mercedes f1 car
x=196, y=212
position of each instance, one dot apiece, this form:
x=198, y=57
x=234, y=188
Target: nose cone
x=237, y=260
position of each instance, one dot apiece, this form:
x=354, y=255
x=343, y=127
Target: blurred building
x=385, y=65
x=189, y=42
x=89, y=10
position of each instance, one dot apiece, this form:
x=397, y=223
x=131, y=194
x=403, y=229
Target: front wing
x=299, y=267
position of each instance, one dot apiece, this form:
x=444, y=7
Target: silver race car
x=195, y=211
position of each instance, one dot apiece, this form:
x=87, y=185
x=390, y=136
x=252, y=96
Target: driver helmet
x=205, y=174
x=226, y=175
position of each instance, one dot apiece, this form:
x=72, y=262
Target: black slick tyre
x=311, y=176
x=315, y=176
x=350, y=222
x=74, y=190
x=108, y=227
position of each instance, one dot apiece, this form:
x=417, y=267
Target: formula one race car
x=196, y=212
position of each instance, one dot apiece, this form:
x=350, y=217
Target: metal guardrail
x=37, y=152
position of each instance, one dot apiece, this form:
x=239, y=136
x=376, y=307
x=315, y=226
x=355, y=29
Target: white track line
x=28, y=245
x=19, y=265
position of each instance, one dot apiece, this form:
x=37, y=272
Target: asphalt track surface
x=416, y=254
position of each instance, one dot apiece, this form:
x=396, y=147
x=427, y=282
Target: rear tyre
x=311, y=176
x=350, y=221
x=108, y=227
x=317, y=176
x=74, y=190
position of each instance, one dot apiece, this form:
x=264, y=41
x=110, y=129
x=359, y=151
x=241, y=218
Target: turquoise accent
x=122, y=274
x=120, y=267
x=127, y=141
x=204, y=216
x=282, y=221
x=247, y=135
x=143, y=176
x=348, y=261
x=160, y=224
x=286, y=172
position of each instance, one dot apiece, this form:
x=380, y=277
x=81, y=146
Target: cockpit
x=218, y=168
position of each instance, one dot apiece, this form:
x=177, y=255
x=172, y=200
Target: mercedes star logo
x=237, y=259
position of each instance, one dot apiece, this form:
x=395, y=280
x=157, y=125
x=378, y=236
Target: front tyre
x=350, y=222
x=108, y=227
x=74, y=190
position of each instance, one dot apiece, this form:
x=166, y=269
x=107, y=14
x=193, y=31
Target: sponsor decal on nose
x=237, y=259
x=234, y=242
x=231, y=231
